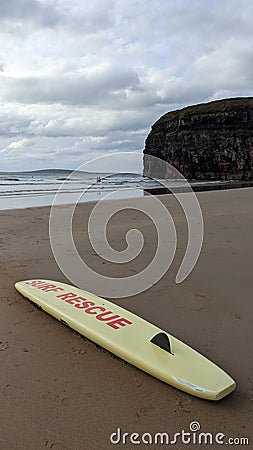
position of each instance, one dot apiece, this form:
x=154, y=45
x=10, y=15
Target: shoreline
x=75, y=395
x=24, y=202
x=220, y=186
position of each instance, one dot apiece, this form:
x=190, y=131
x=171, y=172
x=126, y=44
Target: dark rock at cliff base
x=207, y=141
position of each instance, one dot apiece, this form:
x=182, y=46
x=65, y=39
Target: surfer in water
x=98, y=179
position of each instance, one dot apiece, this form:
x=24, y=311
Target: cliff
x=207, y=141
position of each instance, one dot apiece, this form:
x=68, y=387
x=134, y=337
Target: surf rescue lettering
x=100, y=312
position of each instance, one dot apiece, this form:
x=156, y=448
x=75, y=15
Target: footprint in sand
x=4, y=345
x=64, y=401
x=13, y=392
x=55, y=445
x=78, y=351
x=183, y=405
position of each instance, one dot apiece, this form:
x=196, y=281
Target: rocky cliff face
x=207, y=141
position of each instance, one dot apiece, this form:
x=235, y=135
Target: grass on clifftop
x=218, y=106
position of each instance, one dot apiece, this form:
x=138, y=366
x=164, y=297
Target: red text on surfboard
x=100, y=312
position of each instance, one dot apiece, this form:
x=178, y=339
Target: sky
x=80, y=79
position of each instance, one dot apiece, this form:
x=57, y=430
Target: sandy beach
x=61, y=391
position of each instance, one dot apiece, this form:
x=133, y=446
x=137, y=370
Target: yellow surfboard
x=131, y=338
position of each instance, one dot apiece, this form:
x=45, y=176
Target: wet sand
x=61, y=391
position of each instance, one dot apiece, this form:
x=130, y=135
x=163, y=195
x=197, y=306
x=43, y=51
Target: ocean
x=38, y=188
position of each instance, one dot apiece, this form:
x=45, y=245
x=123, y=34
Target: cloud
x=15, y=12
x=17, y=144
x=90, y=86
x=13, y=123
x=23, y=16
x=80, y=78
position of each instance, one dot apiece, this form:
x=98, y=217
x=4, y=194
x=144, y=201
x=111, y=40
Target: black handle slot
x=65, y=323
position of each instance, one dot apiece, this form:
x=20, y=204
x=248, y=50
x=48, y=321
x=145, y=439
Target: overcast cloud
x=81, y=79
